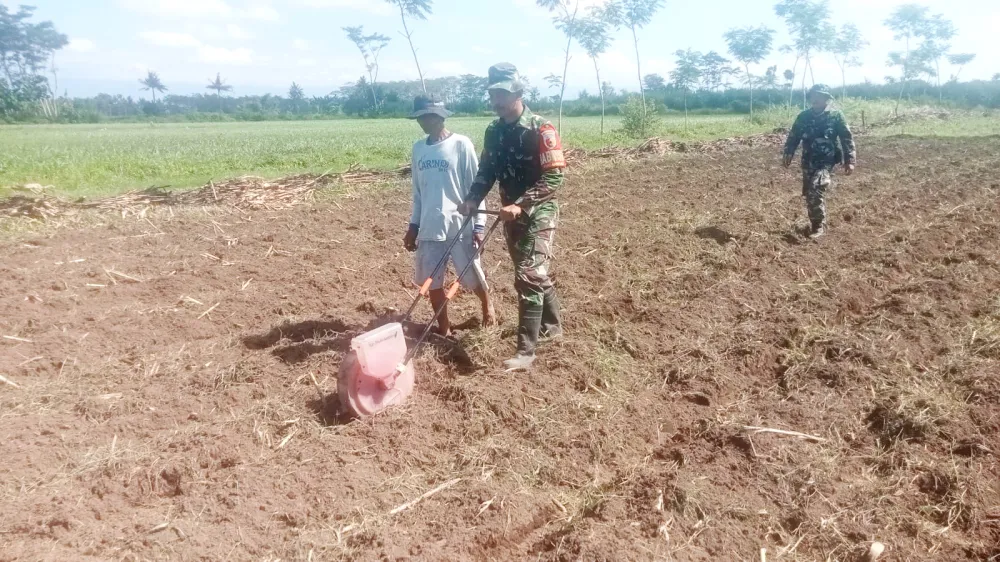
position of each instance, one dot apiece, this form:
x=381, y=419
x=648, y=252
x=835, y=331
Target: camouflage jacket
x=818, y=133
x=527, y=159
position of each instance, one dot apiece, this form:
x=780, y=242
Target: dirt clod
x=693, y=309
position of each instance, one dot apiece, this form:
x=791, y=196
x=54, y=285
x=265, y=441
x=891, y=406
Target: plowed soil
x=166, y=407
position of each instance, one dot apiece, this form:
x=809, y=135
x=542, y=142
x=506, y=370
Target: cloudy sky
x=261, y=46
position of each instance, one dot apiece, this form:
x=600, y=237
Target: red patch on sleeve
x=550, y=148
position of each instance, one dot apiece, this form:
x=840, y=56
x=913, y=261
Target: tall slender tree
x=295, y=95
x=219, y=85
x=792, y=72
x=595, y=37
x=567, y=20
x=417, y=9
x=749, y=46
x=808, y=22
x=152, y=84
x=635, y=15
x=937, y=46
x=685, y=76
x=789, y=75
x=555, y=82
x=25, y=47
x=715, y=70
x=371, y=47
x=910, y=24
x=845, y=48
x=770, y=82
x=960, y=60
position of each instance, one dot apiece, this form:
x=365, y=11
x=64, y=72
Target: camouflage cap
x=429, y=105
x=504, y=76
x=821, y=89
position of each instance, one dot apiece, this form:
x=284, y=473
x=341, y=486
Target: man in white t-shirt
x=443, y=168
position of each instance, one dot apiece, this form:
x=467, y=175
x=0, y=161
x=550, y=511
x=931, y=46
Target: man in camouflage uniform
x=818, y=129
x=524, y=153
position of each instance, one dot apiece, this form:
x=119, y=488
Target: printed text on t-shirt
x=440, y=165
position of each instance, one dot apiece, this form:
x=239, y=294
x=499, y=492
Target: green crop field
x=103, y=159
x=95, y=160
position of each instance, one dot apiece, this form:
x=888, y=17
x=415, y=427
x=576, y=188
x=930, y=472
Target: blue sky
x=261, y=46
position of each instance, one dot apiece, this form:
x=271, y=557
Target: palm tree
x=153, y=84
x=296, y=95
x=219, y=86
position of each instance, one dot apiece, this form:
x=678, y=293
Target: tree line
x=463, y=94
x=738, y=80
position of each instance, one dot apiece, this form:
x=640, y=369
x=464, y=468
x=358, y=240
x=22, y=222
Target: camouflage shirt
x=526, y=157
x=818, y=133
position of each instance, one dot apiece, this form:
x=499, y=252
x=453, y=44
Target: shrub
x=636, y=123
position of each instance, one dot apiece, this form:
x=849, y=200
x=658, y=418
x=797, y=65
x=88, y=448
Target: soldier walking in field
x=818, y=129
x=524, y=153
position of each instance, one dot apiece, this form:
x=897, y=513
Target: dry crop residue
x=174, y=373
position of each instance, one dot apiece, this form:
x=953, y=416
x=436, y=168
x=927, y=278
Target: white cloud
x=81, y=45
x=169, y=39
x=221, y=55
x=300, y=45
x=202, y=9
x=262, y=12
x=371, y=6
x=181, y=8
x=206, y=53
x=532, y=5
x=237, y=32
x=307, y=63
x=448, y=68
x=481, y=50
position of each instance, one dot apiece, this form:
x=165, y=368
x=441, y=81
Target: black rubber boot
x=529, y=325
x=551, y=317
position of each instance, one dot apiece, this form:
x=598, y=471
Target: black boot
x=529, y=325
x=551, y=317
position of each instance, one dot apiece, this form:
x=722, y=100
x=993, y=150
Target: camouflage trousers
x=815, y=184
x=530, y=242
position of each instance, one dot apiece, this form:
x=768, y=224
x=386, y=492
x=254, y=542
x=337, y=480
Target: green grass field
x=103, y=159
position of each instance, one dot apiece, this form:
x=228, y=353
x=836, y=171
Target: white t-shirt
x=442, y=177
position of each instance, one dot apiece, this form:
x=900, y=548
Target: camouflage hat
x=504, y=76
x=429, y=105
x=821, y=89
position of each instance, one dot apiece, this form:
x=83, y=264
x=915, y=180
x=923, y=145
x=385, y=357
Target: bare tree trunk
x=750, y=84
x=685, y=111
x=562, y=86
x=642, y=90
x=569, y=43
x=843, y=82
x=937, y=63
x=371, y=85
x=409, y=39
x=804, y=84
x=55, y=77
x=791, y=85
x=902, y=82
x=600, y=88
